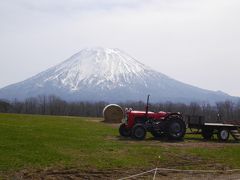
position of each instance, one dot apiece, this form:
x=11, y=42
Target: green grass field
x=39, y=142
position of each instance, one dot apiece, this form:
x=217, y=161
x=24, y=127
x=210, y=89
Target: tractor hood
x=153, y=115
x=141, y=112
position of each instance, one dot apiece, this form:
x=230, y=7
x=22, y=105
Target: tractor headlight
x=124, y=120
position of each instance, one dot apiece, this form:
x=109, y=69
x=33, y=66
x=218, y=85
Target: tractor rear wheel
x=176, y=128
x=139, y=132
x=124, y=131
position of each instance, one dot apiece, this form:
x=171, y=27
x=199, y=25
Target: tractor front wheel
x=139, y=132
x=124, y=131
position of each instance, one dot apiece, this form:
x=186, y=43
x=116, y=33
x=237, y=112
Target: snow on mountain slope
x=110, y=75
x=95, y=67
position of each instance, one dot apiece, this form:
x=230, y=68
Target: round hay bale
x=113, y=113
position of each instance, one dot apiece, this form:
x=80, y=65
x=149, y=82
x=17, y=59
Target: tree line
x=52, y=105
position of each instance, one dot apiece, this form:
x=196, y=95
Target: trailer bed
x=219, y=125
x=207, y=129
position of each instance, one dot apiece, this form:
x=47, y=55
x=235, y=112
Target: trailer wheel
x=176, y=128
x=139, y=132
x=207, y=133
x=223, y=134
x=124, y=131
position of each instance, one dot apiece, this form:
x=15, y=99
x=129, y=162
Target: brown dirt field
x=74, y=174
x=186, y=143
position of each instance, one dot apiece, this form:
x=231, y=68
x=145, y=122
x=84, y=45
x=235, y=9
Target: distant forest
x=52, y=105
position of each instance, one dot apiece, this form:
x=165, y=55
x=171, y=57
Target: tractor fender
x=179, y=115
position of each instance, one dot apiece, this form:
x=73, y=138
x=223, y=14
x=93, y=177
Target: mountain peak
x=103, y=67
x=103, y=55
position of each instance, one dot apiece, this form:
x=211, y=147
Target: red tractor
x=137, y=123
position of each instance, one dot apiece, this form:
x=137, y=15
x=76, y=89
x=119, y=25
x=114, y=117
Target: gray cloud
x=193, y=41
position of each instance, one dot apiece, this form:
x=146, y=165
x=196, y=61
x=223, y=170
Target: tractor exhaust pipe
x=147, y=107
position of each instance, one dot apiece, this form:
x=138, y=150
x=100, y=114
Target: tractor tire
x=139, y=132
x=156, y=134
x=124, y=131
x=207, y=133
x=176, y=128
x=223, y=134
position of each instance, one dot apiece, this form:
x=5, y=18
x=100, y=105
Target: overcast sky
x=194, y=41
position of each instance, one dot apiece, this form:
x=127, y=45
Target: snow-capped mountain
x=103, y=74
